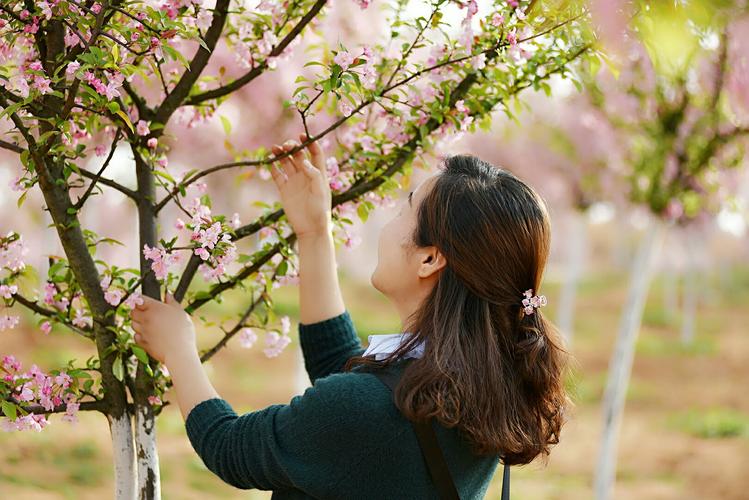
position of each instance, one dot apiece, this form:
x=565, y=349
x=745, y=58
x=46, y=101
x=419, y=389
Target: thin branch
x=234, y=280
x=258, y=70
x=198, y=63
x=109, y=182
x=43, y=311
x=311, y=139
x=101, y=405
x=11, y=146
x=93, y=183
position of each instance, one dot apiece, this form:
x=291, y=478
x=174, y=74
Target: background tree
x=681, y=124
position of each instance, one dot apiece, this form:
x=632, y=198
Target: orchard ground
x=685, y=432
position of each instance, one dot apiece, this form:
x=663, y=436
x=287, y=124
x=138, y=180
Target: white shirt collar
x=382, y=345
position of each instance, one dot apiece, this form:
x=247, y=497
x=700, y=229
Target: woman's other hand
x=302, y=182
x=163, y=329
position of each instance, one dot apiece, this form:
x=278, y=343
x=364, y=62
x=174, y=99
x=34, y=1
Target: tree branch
x=199, y=61
x=258, y=70
x=97, y=177
x=33, y=306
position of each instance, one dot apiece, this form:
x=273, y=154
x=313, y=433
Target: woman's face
x=405, y=273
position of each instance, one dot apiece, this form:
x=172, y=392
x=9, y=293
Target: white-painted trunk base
x=123, y=451
x=620, y=365
x=149, y=476
x=576, y=250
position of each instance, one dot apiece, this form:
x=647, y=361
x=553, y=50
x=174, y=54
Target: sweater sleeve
x=284, y=446
x=327, y=344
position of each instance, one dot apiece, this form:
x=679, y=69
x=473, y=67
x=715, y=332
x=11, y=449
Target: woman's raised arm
x=306, y=198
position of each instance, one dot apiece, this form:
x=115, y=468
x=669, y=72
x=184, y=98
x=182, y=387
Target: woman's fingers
x=298, y=157
x=285, y=164
x=279, y=176
x=317, y=156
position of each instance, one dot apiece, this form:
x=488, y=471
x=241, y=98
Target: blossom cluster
x=36, y=387
x=275, y=342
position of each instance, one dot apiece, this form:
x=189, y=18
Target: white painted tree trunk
x=576, y=250
x=149, y=476
x=123, y=451
x=620, y=366
x=670, y=292
x=689, y=310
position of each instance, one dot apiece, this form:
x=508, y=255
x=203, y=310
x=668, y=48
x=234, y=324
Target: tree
x=69, y=73
x=676, y=106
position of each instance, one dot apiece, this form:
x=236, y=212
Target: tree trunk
x=149, y=480
x=691, y=277
x=670, y=292
x=576, y=246
x=622, y=357
x=123, y=453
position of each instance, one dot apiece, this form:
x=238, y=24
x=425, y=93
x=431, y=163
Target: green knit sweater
x=342, y=439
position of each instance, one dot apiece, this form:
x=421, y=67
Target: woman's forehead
x=420, y=190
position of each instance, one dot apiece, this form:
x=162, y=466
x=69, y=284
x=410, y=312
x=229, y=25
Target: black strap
x=430, y=448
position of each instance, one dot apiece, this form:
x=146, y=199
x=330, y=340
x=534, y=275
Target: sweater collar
x=382, y=345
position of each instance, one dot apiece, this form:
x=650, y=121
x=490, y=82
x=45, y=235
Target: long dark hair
x=488, y=368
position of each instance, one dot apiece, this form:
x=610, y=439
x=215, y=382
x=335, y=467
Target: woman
x=460, y=262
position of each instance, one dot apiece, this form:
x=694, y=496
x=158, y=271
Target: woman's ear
x=432, y=261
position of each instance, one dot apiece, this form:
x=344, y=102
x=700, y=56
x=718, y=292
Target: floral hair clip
x=531, y=302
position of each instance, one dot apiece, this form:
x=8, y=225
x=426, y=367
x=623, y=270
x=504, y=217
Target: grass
x=711, y=423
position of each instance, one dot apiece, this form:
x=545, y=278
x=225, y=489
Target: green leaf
x=126, y=119
x=363, y=212
x=78, y=373
x=283, y=267
x=140, y=354
x=21, y=199
x=9, y=409
x=117, y=369
x=227, y=125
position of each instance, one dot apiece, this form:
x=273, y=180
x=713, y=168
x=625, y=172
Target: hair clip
x=531, y=302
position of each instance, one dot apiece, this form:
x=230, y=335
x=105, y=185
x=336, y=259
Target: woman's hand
x=304, y=189
x=163, y=329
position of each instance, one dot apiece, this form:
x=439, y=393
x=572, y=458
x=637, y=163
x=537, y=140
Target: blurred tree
x=117, y=70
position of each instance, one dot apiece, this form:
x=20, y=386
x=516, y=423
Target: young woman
x=462, y=262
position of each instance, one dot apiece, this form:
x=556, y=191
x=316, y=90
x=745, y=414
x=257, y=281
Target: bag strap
x=430, y=448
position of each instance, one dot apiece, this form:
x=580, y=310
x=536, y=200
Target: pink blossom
x=42, y=84
x=141, y=128
x=133, y=299
x=161, y=260
x=235, y=222
x=81, y=320
x=275, y=343
x=343, y=59
x=363, y=4
x=8, y=322
x=285, y=325
x=247, y=337
x=15, y=184
x=152, y=142
x=113, y=297
x=46, y=327
x=7, y=291
x=154, y=400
